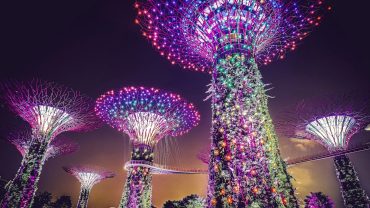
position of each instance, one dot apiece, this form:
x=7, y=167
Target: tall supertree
x=332, y=121
x=50, y=109
x=58, y=147
x=88, y=177
x=147, y=115
x=227, y=38
x=318, y=200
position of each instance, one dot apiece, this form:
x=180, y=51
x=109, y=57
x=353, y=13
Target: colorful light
x=50, y=109
x=147, y=115
x=195, y=33
x=50, y=118
x=58, y=147
x=227, y=38
x=88, y=176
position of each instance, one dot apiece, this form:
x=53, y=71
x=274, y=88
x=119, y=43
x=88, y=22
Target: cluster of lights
x=60, y=146
x=147, y=114
x=50, y=118
x=89, y=176
x=333, y=131
x=50, y=108
x=194, y=33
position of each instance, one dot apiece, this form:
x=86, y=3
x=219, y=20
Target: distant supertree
x=227, y=38
x=57, y=147
x=147, y=115
x=88, y=177
x=50, y=109
x=332, y=121
x=318, y=200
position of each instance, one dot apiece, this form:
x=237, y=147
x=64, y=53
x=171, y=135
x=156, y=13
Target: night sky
x=94, y=46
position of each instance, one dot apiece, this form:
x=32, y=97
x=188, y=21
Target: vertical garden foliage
x=353, y=195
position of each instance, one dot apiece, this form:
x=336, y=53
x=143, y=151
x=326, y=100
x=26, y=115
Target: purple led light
x=147, y=114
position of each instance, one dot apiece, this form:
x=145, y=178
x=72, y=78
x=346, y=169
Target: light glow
x=50, y=118
x=88, y=180
x=147, y=128
x=367, y=128
x=88, y=176
x=332, y=130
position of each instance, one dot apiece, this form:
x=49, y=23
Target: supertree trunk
x=353, y=195
x=138, y=188
x=21, y=190
x=83, y=199
x=245, y=167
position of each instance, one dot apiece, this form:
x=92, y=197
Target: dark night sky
x=93, y=46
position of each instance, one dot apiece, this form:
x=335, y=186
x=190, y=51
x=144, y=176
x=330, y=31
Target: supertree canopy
x=147, y=115
x=196, y=33
x=227, y=38
x=50, y=109
x=318, y=200
x=58, y=147
x=332, y=121
x=88, y=177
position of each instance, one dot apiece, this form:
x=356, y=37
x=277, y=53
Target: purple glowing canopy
x=59, y=146
x=50, y=108
x=89, y=175
x=193, y=33
x=133, y=109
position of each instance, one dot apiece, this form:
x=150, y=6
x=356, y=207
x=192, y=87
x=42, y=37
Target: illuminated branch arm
x=147, y=128
x=50, y=119
x=332, y=131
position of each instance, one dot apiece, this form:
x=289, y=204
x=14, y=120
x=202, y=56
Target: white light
x=50, y=118
x=367, y=128
x=146, y=128
x=88, y=180
x=333, y=130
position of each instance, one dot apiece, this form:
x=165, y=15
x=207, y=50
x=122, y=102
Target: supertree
x=58, y=147
x=88, y=177
x=318, y=200
x=147, y=115
x=227, y=38
x=50, y=109
x=332, y=121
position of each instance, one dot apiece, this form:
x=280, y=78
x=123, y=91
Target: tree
x=42, y=200
x=318, y=200
x=63, y=202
